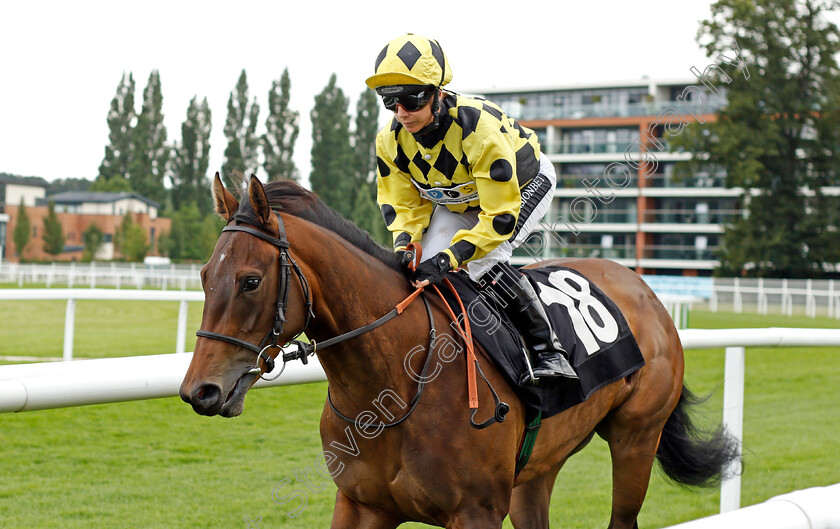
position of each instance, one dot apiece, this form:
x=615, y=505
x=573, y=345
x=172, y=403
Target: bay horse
x=432, y=466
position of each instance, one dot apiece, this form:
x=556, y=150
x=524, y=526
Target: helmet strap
x=426, y=136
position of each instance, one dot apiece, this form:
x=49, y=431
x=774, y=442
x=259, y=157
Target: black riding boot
x=548, y=358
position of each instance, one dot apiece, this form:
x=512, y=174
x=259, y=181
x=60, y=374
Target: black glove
x=434, y=269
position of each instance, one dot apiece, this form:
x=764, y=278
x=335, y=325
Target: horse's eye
x=251, y=283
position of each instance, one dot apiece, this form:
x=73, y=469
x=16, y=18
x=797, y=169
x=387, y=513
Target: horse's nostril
x=207, y=399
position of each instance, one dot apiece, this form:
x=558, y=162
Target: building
x=617, y=195
x=76, y=211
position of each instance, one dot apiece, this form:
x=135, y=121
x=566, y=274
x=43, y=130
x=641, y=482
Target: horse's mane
x=289, y=197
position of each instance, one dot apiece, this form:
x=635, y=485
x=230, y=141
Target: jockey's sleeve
x=494, y=171
x=406, y=213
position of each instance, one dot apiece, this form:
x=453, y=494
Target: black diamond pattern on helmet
x=437, y=53
x=383, y=167
x=390, y=214
x=421, y=164
x=492, y=111
x=380, y=58
x=462, y=250
x=504, y=223
x=468, y=116
x=409, y=54
x=446, y=163
x=401, y=161
x=501, y=170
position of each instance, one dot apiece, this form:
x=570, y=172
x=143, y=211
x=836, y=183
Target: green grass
x=102, y=329
x=156, y=464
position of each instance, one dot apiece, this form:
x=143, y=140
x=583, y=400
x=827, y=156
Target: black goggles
x=410, y=102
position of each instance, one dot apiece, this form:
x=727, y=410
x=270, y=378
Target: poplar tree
x=113, y=171
x=23, y=230
x=240, y=130
x=366, y=213
x=282, y=127
x=332, y=176
x=150, y=151
x=53, y=232
x=191, y=159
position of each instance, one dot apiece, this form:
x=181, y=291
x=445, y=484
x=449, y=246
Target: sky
x=61, y=62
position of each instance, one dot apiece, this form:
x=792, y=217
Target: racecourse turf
x=156, y=464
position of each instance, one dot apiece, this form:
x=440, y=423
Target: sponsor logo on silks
x=449, y=195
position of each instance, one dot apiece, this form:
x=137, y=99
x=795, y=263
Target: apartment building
x=617, y=195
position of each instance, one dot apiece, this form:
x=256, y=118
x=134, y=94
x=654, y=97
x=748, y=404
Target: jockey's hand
x=432, y=271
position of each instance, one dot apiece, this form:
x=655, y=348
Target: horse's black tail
x=690, y=456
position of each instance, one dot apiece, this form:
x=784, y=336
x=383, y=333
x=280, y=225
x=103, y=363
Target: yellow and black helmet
x=410, y=60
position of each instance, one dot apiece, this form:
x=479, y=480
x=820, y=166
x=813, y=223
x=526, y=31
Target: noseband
x=286, y=264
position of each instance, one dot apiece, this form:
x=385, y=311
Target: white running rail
x=54, y=385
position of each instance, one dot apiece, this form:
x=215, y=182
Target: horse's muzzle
x=206, y=399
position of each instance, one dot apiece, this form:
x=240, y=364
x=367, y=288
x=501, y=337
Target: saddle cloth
x=589, y=325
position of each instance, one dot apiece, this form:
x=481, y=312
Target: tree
x=22, y=231
x=366, y=214
x=150, y=151
x=240, y=131
x=193, y=236
x=130, y=240
x=778, y=137
x=282, y=127
x=332, y=176
x=121, y=118
x=60, y=185
x=191, y=159
x=92, y=238
x=53, y=232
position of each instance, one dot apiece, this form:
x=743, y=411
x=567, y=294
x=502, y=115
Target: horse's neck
x=352, y=289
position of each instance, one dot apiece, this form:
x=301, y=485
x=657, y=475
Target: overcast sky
x=61, y=62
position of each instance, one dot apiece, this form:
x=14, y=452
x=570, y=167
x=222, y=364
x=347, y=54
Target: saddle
x=593, y=331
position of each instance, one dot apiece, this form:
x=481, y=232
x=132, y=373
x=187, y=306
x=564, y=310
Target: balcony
x=691, y=216
x=606, y=110
x=571, y=181
x=578, y=250
x=695, y=181
x=591, y=148
x=689, y=253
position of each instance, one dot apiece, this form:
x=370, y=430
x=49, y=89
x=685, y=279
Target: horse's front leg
x=349, y=514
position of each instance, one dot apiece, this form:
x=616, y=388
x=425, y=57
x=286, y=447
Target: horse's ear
x=226, y=203
x=262, y=208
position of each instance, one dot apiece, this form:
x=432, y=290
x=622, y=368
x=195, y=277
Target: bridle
x=286, y=264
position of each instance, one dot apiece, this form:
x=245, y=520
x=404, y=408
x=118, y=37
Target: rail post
x=69, y=329
x=180, y=341
x=733, y=421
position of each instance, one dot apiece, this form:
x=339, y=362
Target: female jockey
x=467, y=182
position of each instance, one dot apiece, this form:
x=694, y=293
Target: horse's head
x=243, y=284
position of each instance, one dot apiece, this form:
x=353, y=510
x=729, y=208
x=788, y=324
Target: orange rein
x=465, y=332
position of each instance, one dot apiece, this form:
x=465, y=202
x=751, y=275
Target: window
x=109, y=237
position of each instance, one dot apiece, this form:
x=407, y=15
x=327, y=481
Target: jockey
x=467, y=182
